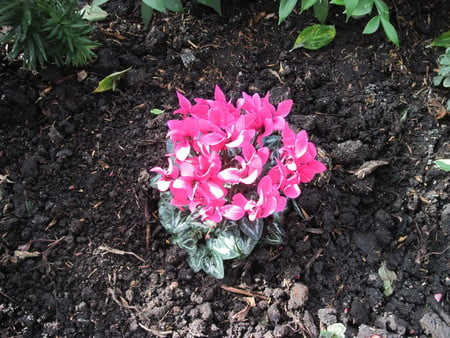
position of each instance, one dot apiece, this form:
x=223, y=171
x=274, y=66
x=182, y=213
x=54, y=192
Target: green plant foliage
x=442, y=40
x=388, y=277
x=352, y=9
x=315, y=37
x=93, y=12
x=214, y=4
x=42, y=31
x=110, y=81
x=444, y=70
x=156, y=111
x=443, y=164
x=286, y=7
x=336, y=330
x=208, y=244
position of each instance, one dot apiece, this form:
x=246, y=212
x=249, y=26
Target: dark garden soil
x=81, y=250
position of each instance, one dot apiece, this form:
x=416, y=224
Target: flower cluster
x=222, y=166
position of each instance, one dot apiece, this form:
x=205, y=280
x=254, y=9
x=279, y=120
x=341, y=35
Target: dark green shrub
x=45, y=31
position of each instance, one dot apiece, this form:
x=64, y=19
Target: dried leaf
x=368, y=167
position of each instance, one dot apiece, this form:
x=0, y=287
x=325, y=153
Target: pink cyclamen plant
x=222, y=165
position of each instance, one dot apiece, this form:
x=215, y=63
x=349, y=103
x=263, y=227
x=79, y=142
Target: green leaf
x=245, y=246
x=390, y=31
x=196, y=258
x=382, y=8
x=442, y=40
x=315, y=37
x=388, y=277
x=164, y=5
x=156, y=111
x=214, y=4
x=350, y=6
x=372, y=25
x=212, y=264
x=186, y=240
x=321, y=9
x=146, y=14
x=252, y=229
x=307, y=4
x=170, y=217
x=286, y=7
x=224, y=245
x=446, y=82
x=93, y=13
x=437, y=80
x=110, y=81
x=337, y=2
x=443, y=164
x=275, y=234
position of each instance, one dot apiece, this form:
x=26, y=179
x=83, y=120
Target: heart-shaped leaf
x=315, y=37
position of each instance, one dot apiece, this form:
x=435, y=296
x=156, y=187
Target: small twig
x=106, y=248
x=155, y=332
x=244, y=292
x=313, y=259
x=7, y=297
x=148, y=228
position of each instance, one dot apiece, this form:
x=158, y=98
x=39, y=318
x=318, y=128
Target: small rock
x=308, y=322
x=350, y=152
x=206, y=312
x=327, y=316
x=433, y=324
x=40, y=220
x=30, y=167
x=367, y=331
x=445, y=215
x=298, y=296
x=188, y=57
x=389, y=320
x=273, y=313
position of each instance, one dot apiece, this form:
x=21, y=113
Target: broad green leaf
x=446, y=82
x=156, y=4
x=382, y=8
x=444, y=71
x=186, y=240
x=307, y=4
x=110, y=82
x=156, y=111
x=224, y=245
x=388, y=277
x=275, y=234
x=315, y=37
x=286, y=7
x=252, y=229
x=174, y=5
x=171, y=218
x=212, y=264
x=437, y=80
x=93, y=13
x=443, y=164
x=363, y=8
x=442, y=40
x=214, y=4
x=390, y=31
x=164, y=5
x=372, y=25
x=337, y=2
x=245, y=246
x=321, y=9
x=195, y=258
x=146, y=14
x=99, y=2
x=350, y=6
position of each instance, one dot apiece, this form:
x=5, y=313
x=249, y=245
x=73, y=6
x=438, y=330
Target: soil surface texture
x=82, y=253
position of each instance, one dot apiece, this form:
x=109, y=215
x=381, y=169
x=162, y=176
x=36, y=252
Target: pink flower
x=269, y=200
x=167, y=176
x=251, y=165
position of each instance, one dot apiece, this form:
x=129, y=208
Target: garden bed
x=82, y=252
